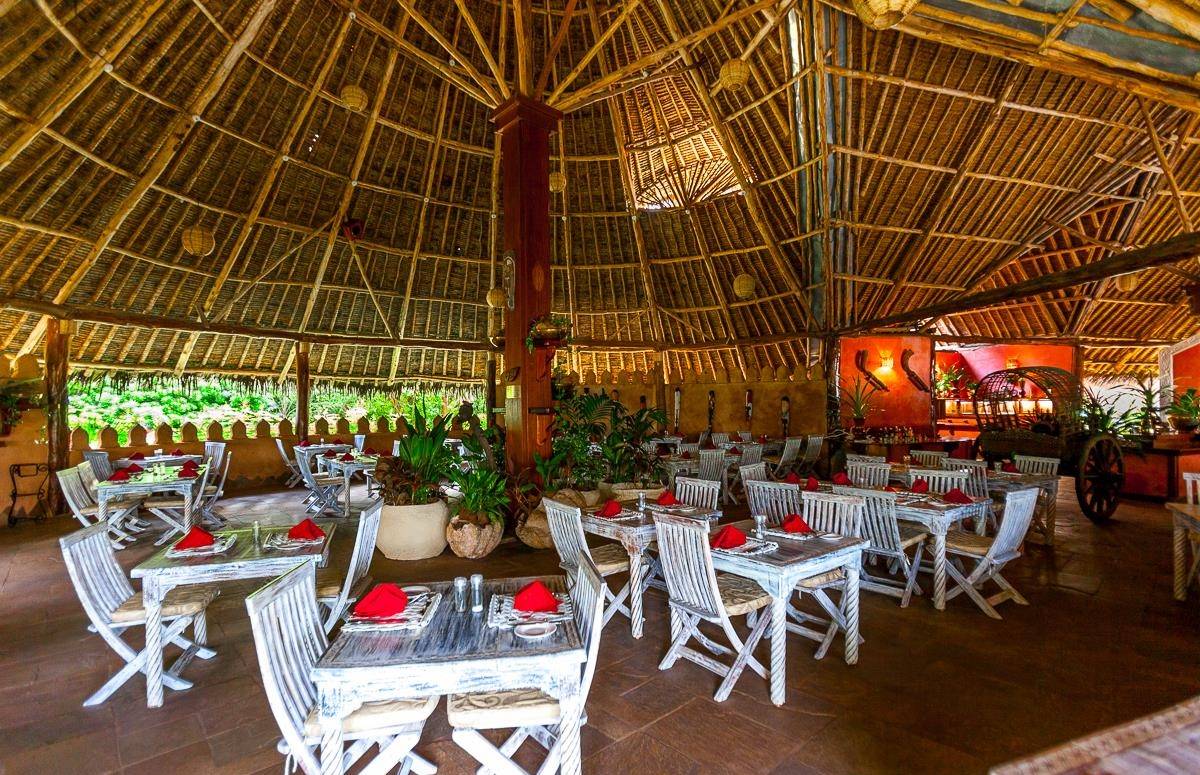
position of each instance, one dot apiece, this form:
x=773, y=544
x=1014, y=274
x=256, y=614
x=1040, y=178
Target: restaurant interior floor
x=1102, y=642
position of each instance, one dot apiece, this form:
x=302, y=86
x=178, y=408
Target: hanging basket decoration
x=198, y=240
x=734, y=75
x=743, y=286
x=558, y=181
x=497, y=298
x=549, y=331
x=882, y=14
x=354, y=97
x=352, y=229
x=1126, y=282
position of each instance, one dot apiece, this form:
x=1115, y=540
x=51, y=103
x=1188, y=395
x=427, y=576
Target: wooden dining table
x=347, y=468
x=1186, y=522
x=454, y=653
x=157, y=460
x=159, y=480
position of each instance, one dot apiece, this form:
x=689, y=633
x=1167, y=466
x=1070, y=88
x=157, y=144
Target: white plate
x=415, y=589
x=534, y=631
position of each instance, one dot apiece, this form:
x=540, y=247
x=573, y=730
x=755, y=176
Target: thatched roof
x=857, y=173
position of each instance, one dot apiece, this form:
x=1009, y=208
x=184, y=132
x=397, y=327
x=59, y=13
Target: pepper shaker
x=476, y=593
x=460, y=594
x=257, y=533
x=642, y=501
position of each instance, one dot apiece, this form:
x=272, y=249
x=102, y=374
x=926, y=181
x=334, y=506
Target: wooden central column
x=58, y=434
x=524, y=127
x=302, y=389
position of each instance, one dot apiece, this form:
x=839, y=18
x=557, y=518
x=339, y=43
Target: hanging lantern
x=354, y=97
x=198, y=240
x=558, y=182
x=1127, y=282
x=735, y=74
x=743, y=286
x=496, y=298
x=882, y=14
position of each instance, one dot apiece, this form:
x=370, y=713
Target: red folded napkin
x=794, y=523
x=196, y=538
x=686, y=456
x=957, y=496
x=610, y=508
x=1010, y=468
x=177, y=451
x=763, y=439
x=792, y=478
x=708, y=445
x=728, y=537
x=133, y=468
x=841, y=478
x=369, y=451
x=137, y=456
x=190, y=464
x=120, y=475
x=330, y=453
x=338, y=441
x=304, y=443
x=347, y=458
x=920, y=485
x=382, y=602
x=734, y=451
x=534, y=597
x=812, y=485
x=187, y=473
x=306, y=531
x=667, y=499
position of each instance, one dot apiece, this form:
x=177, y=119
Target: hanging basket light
x=734, y=75
x=558, y=182
x=882, y=14
x=354, y=97
x=1127, y=282
x=496, y=298
x=198, y=240
x=743, y=286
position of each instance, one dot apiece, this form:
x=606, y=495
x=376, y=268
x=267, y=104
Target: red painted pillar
x=524, y=128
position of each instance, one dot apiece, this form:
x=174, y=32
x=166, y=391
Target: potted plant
x=413, y=522
x=551, y=330
x=1148, y=413
x=857, y=399
x=17, y=396
x=632, y=463
x=576, y=466
x=945, y=381
x=478, y=522
x=1184, y=411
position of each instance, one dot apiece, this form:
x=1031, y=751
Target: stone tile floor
x=1101, y=642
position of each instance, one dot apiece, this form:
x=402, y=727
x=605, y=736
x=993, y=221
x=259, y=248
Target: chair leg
x=966, y=586
x=1012, y=592
x=686, y=628
x=910, y=573
x=745, y=656
x=483, y=751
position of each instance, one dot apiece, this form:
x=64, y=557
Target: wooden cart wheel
x=1101, y=474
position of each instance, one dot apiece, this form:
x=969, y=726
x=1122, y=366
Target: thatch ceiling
x=857, y=174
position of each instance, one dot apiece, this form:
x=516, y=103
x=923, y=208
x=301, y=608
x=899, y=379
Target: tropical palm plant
x=413, y=476
x=484, y=495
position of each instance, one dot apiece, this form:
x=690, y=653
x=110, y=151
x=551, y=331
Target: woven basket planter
x=471, y=541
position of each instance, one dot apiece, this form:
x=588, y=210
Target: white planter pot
x=413, y=532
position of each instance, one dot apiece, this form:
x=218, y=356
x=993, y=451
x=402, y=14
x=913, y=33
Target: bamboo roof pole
x=175, y=136
x=1172, y=13
x=484, y=49
x=1165, y=163
x=1064, y=19
x=601, y=40
x=452, y=49
x=824, y=268
x=523, y=40
x=560, y=37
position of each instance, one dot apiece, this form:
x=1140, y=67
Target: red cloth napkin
x=369, y=451
x=120, y=475
x=667, y=499
x=177, y=451
x=686, y=456
x=534, y=597
x=306, y=531
x=792, y=478
x=347, y=458
x=382, y=602
x=1010, y=468
x=305, y=443
x=133, y=468
x=957, y=496
x=763, y=439
x=190, y=465
x=841, y=478
x=708, y=445
x=728, y=537
x=920, y=485
x=330, y=453
x=610, y=508
x=196, y=538
x=187, y=473
x=794, y=523
x=338, y=441
x=812, y=485
x=734, y=451
x=137, y=456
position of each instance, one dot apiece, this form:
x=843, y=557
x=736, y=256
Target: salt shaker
x=476, y=593
x=256, y=535
x=760, y=524
x=641, y=500
x=460, y=594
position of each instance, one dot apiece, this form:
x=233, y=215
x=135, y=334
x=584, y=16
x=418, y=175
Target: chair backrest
x=865, y=474
x=224, y=474
x=1191, y=487
x=742, y=436
x=687, y=565
x=879, y=524
x=791, y=451
x=928, y=458
x=76, y=495
x=308, y=475
x=774, y=500
x=214, y=453
x=751, y=454
x=395, y=447
x=360, y=559
x=101, y=464
x=832, y=513
x=976, y=474
x=719, y=438
x=753, y=473
x=812, y=449
x=566, y=528
x=587, y=600
x=853, y=458
x=1018, y=513
x=360, y=440
x=1030, y=464
x=289, y=639
x=940, y=482
x=95, y=573
x=88, y=476
x=701, y=493
x=692, y=449
x=712, y=464
x=287, y=461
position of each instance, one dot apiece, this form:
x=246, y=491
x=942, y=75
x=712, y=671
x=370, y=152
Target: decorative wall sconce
x=886, y=362
x=1012, y=363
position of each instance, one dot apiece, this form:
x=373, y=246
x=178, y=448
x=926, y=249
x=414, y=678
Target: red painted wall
x=903, y=404
x=1186, y=366
x=981, y=361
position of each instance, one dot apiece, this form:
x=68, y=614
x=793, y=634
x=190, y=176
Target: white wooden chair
x=84, y=508
x=1040, y=466
x=868, y=474
x=172, y=509
x=566, y=528
x=127, y=519
x=530, y=712
x=853, y=458
x=928, y=458
x=751, y=453
x=325, y=489
x=102, y=465
x=826, y=513
x=1044, y=516
x=337, y=591
x=691, y=449
x=214, y=493
x=293, y=470
x=754, y=473
x=782, y=463
x=719, y=438
x=1191, y=492
x=395, y=447
x=774, y=500
x=940, y=481
x=214, y=453
x=812, y=451
x=743, y=436
x=991, y=554
x=977, y=487
x=697, y=594
x=112, y=606
x=360, y=441
x=889, y=539
x=289, y=639
x=712, y=468
x=700, y=493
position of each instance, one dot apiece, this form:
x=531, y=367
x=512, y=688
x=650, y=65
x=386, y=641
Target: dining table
x=244, y=559
x=157, y=460
x=359, y=463
x=1186, y=523
x=157, y=480
x=305, y=454
x=453, y=653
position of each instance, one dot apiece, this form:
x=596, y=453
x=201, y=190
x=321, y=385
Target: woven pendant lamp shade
x=1126, y=282
x=354, y=97
x=558, y=182
x=198, y=240
x=882, y=14
x=743, y=286
x=735, y=74
x=496, y=298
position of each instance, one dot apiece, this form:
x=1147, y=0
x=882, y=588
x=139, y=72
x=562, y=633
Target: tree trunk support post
x=303, y=384
x=58, y=434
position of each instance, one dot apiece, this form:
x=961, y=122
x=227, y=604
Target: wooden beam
x=1171, y=13
x=559, y=38
x=484, y=49
x=303, y=384
x=1163, y=162
x=523, y=37
x=1063, y=21
x=629, y=7
x=58, y=432
x=451, y=49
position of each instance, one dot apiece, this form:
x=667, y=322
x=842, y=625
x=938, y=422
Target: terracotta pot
x=471, y=541
x=413, y=532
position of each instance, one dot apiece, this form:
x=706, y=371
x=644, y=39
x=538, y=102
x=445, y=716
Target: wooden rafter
x=560, y=37
x=601, y=40
x=497, y=73
x=450, y=48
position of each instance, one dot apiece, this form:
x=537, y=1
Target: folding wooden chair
x=853, y=458
x=712, y=468
x=325, y=489
x=697, y=594
x=889, y=539
x=773, y=500
x=868, y=474
x=172, y=509
x=566, y=528
x=782, y=463
x=751, y=454
x=127, y=519
x=529, y=712
x=214, y=493
x=991, y=554
x=214, y=453
x=1191, y=490
x=719, y=438
x=102, y=465
x=812, y=451
x=84, y=508
x=289, y=639
x=928, y=458
x=701, y=493
x=112, y=606
x=754, y=473
x=293, y=470
x=360, y=441
x=826, y=513
x=336, y=591
x=977, y=487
